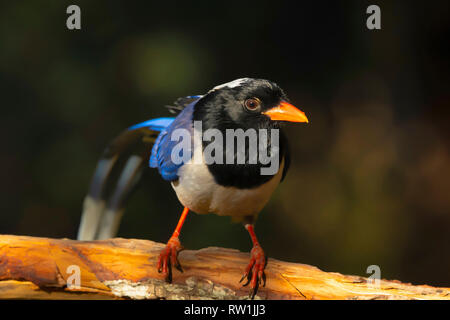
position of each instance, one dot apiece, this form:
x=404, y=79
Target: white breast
x=197, y=190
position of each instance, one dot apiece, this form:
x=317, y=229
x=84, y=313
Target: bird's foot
x=169, y=257
x=255, y=270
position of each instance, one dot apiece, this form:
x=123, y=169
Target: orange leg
x=255, y=269
x=169, y=255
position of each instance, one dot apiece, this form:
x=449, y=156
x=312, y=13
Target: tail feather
x=115, y=177
x=111, y=218
x=90, y=218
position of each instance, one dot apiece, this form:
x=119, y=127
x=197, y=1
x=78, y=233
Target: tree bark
x=43, y=268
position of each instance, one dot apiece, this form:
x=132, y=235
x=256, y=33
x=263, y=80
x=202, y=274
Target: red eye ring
x=252, y=104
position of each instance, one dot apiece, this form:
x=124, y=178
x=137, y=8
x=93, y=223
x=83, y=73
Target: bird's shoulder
x=161, y=156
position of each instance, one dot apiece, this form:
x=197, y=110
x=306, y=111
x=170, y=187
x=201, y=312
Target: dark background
x=370, y=176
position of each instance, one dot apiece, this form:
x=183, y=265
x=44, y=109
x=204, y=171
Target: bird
x=207, y=175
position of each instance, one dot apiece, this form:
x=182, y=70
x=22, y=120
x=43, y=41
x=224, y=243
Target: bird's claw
x=169, y=257
x=255, y=271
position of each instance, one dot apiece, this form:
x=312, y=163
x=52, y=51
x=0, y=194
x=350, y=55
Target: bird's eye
x=252, y=104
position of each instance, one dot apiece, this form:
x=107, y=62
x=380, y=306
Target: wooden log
x=43, y=268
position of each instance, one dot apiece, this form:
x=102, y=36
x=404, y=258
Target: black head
x=246, y=103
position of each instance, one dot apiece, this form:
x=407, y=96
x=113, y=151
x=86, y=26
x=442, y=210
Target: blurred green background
x=370, y=175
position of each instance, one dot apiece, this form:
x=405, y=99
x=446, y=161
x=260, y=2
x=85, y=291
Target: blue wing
x=161, y=155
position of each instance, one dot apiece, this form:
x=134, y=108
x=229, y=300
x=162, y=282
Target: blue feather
x=158, y=124
x=161, y=156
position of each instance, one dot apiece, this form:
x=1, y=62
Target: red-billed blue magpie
x=231, y=188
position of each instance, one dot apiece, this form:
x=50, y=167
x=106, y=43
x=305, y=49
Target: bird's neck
x=237, y=157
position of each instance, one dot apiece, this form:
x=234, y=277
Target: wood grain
x=37, y=268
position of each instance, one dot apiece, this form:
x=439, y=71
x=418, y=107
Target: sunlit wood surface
x=41, y=268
